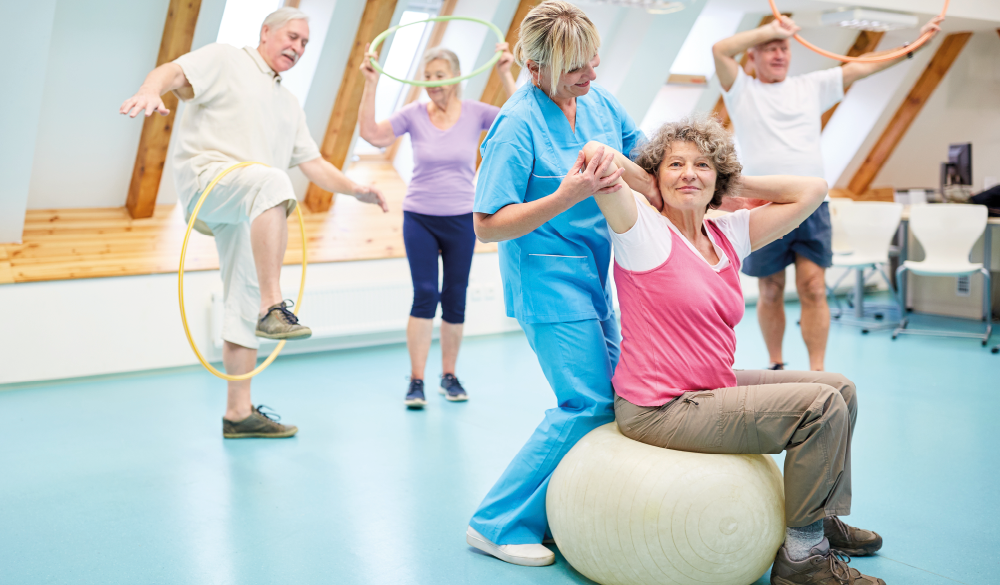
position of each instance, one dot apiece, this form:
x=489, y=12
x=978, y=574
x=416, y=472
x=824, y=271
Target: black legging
x=452, y=236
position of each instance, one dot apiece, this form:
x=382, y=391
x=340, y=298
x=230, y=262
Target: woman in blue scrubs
x=535, y=196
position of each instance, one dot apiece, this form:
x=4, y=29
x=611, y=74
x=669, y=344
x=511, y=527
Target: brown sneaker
x=848, y=540
x=280, y=323
x=259, y=424
x=823, y=567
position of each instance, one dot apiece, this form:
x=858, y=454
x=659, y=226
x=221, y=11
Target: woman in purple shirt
x=437, y=209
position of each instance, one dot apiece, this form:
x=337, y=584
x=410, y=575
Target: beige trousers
x=809, y=415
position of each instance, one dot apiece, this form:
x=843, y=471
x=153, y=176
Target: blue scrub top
x=559, y=272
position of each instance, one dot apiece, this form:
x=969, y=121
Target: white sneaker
x=526, y=555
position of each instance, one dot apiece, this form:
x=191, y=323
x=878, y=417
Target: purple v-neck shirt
x=444, y=161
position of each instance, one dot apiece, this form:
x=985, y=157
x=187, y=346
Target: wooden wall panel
x=865, y=43
x=344, y=117
x=178, y=31
x=939, y=64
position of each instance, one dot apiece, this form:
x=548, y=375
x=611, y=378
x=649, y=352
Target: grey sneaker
x=263, y=425
x=280, y=323
x=822, y=567
x=452, y=389
x=415, y=399
x=849, y=540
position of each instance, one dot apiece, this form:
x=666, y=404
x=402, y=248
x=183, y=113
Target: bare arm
x=855, y=71
x=329, y=178
x=725, y=51
x=619, y=207
x=793, y=199
x=164, y=78
x=503, y=68
x=375, y=133
x=518, y=219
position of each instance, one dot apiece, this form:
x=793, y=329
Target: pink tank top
x=678, y=323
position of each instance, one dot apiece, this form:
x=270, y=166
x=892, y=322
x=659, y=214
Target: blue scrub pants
x=578, y=359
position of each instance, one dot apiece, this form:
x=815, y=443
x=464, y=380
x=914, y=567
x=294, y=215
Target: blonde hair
x=558, y=35
x=449, y=57
x=711, y=139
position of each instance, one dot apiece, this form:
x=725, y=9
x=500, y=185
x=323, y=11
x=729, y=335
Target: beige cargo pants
x=809, y=415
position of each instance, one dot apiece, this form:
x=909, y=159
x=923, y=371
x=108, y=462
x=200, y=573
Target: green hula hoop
x=489, y=64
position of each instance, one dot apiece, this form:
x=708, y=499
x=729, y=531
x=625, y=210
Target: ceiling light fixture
x=868, y=19
x=650, y=6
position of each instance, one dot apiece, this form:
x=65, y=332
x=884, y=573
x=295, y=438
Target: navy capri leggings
x=454, y=238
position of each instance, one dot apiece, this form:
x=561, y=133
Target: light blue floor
x=128, y=480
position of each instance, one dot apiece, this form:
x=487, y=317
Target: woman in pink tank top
x=677, y=275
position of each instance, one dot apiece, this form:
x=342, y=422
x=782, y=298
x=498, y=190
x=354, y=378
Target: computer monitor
x=959, y=164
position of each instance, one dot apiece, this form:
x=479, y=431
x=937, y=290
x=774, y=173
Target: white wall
x=98, y=56
x=21, y=109
x=964, y=108
x=110, y=325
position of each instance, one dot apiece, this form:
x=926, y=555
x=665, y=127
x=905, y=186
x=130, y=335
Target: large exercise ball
x=627, y=513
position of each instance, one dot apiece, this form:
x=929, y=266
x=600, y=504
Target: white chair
x=868, y=228
x=947, y=234
x=840, y=243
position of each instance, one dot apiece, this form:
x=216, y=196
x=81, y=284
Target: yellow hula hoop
x=180, y=282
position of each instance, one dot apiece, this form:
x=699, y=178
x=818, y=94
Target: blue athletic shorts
x=811, y=240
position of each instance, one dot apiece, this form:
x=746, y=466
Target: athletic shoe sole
x=415, y=404
x=494, y=550
x=284, y=435
x=460, y=398
x=859, y=552
x=289, y=336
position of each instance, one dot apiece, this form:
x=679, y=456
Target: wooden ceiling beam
x=494, y=93
x=178, y=32
x=865, y=43
x=922, y=90
x=344, y=118
x=720, y=111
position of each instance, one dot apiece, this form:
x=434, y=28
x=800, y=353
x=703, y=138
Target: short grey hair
x=283, y=16
x=449, y=57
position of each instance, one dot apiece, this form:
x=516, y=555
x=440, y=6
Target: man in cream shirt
x=238, y=111
x=777, y=124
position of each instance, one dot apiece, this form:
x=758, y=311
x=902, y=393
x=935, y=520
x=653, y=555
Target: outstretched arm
x=329, y=178
x=164, y=78
x=503, y=68
x=793, y=199
x=725, y=51
x=378, y=134
x=855, y=71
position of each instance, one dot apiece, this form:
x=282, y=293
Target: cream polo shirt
x=236, y=111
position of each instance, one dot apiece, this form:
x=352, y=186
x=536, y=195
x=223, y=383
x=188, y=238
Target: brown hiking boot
x=823, y=567
x=280, y=323
x=259, y=424
x=848, y=540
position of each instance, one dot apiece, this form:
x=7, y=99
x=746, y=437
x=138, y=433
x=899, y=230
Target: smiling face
x=770, y=60
x=687, y=178
x=436, y=70
x=283, y=47
x=571, y=84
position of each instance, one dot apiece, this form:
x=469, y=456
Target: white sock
x=798, y=541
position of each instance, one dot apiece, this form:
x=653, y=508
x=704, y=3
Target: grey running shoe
x=452, y=389
x=849, y=540
x=263, y=425
x=280, y=323
x=415, y=395
x=776, y=367
x=822, y=567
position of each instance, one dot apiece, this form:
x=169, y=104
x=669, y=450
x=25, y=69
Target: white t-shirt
x=239, y=112
x=647, y=244
x=778, y=124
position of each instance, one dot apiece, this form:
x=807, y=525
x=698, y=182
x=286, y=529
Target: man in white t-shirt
x=238, y=111
x=777, y=124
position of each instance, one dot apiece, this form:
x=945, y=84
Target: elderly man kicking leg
x=238, y=111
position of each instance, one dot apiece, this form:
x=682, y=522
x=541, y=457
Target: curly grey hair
x=712, y=140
